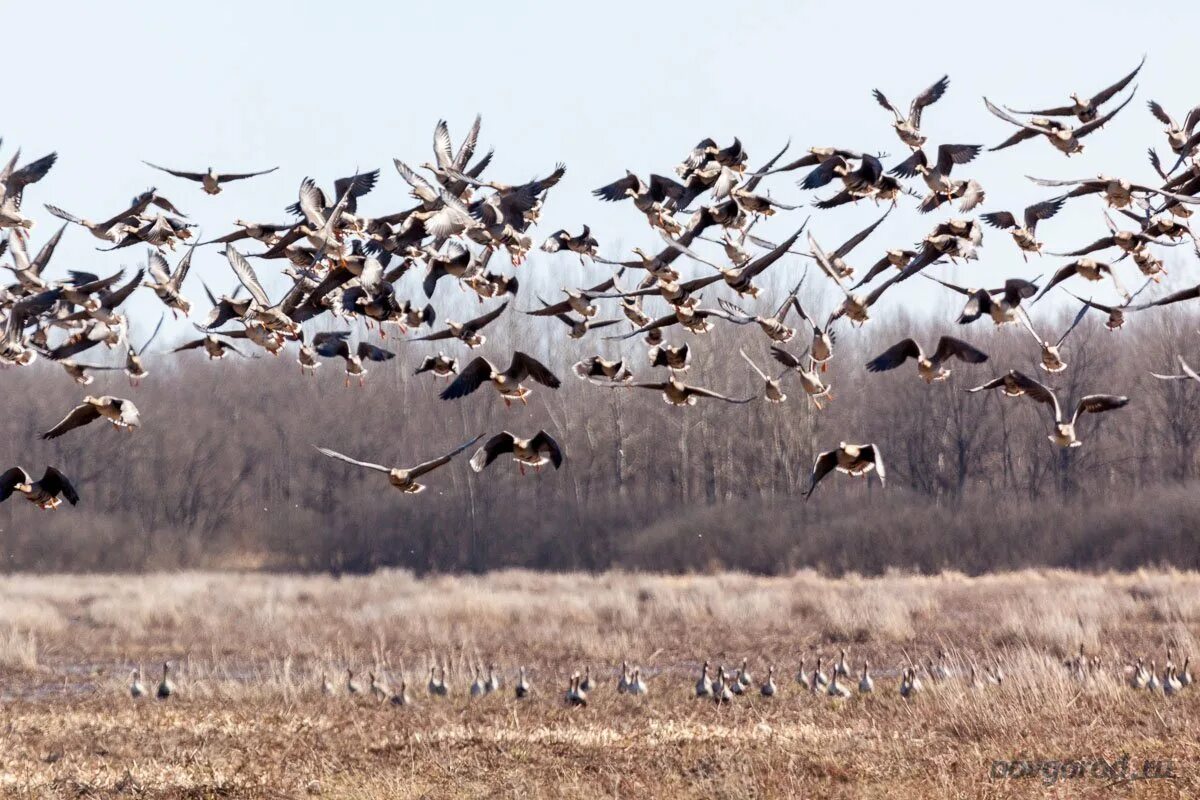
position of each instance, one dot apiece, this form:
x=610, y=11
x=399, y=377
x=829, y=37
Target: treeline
x=224, y=471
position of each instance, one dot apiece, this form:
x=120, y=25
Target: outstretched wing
x=365, y=464
x=825, y=463
x=429, y=466
x=191, y=176
x=469, y=379
x=77, y=418
x=894, y=356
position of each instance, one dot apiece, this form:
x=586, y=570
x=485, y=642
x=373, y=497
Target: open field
x=249, y=720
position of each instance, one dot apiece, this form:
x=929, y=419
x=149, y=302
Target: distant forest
x=224, y=473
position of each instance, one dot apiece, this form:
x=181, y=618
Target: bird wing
x=824, y=464
x=372, y=353
x=857, y=239
x=951, y=154
x=480, y=322
x=366, y=464
x=872, y=454
x=1104, y=95
x=245, y=273
x=908, y=167
x=1097, y=403
x=524, y=365
x=1000, y=219
x=56, y=483
x=469, y=379
x=543, y=442
x=1161, y=114
x=753, y=366
x=785, y=358
x=1079, y=315
x=9, y=480
x=430, y=466
x=78, y=417
x=702, y=392
x=191, y=176
x=1043, y=210
x=1099, y=122
x=497, y=445
x=616, y=190
x=949, y=347
x=157, y=328
x=239, y=176
x=1037, y=391
x=894, y=356
x=158, y=267
x=927, y=98
x=1174, y=297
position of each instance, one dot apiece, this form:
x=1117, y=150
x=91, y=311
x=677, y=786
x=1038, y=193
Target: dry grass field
x=249, y=719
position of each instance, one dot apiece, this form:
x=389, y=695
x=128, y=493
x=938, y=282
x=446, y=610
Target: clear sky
x=322, y=88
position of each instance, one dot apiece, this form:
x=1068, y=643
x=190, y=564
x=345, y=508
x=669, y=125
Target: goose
x=1086, y=109
x=578, y=300
x=440, y=365
x=534, y=451
x=467, y=332
x=704, y=686
x=210, y=180
x=433, y=686
x=507, y=383
x=1025, y=235
x=722, y=694
x=942, y=187
x=654, y=199
x=1086, y=268
x=166, y=284
x=1116, y=192
x=769, y=689
x=352, y=686
x=741, y=279
x=401, y=698
x=119, y=226
x=1127, y=241
x=584, y=244
x=306, y=356
x=772, y=391
x=335, y=344
x=1064, y=138
x=1064, y=430
x=47, y=493
x=856, y=306
x=637, y=686
x=669, y=356
x=1139, y=677
x=122, y=413
x=493, y=680
x=836, y=689
x=866, y=684
x=908, y=128
x=995, y=674
x=1185, y=674
x=898, y=258
x=677, y=393
x=1152, y=682
x=690, y=316
x=841, y=667
x=214, y=347
x=273, y=316
x=598, y=368
x=1115, y=314
x=836, y=259
x=802, y=677
x=910, y=683
x=578, y=328
x=623, y=681
x=576, y=696
x=1012, y=383
x=773, y=326
x=401, y=478
x=821, y=349
x=737, y=687
x=818, y=676
x=478, y=689
x=379, y=688
x=810, y=378
x=851, y=459
x=1051, y=358
x=939, y=672
x=585, y=682
x=327, y=687
x=165, y=687
x=135, y=370
x=1171, y=684
x=929, y=368
x=136, y=689
x=522, y=689
x=999, y=304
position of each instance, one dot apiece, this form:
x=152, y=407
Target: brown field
x=249, y=719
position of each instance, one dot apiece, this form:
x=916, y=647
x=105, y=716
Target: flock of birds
x=722, y=686
x=344, y=263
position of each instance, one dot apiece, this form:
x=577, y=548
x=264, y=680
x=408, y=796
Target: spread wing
x=245, y=273
x=365, y=464
x=56, y=483
x=474, y=375
x=429, y=466
x=825, y=463
x=494, y=447
x=894, y=356
x=949, y=347
x=77, y=418
x=191, y=176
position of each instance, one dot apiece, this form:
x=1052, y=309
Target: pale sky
x=320, y=89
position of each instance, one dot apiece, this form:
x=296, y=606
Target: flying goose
x=1064, y=138
x=1180, y=137
x=598, y=368
x=165, y=687
x=1116, y=314
x=117, y=228
x=1024, y=235
x=166, y=284
x=135, y=370
x=929, y=368
x=467, y=332
x=534, y=451
x=1126, y=241
x=578, y=300
x=440, y=365
x=772, y=391
x=773, y=326
x=506, y=382
x=656, y=199
x=214, y=347
x=13, y=181
x=78, y=371
x=403, y=479
x=335, y=344
x=1088, y=269
x=137, y=689
x=274, y=316
x=669, y=356
x=908, y=128
x=1189, y=374
x=942, y=187
x=1085, y=109
x=1051, y=353
x=120, y=412
x=1012, y=383
x=1117, y=192
x=210, y=180
x=810, y=378
x=584, y=244
x=837, y=259
x=45, y=493
x=1064, y=430
x=999, y=304
x=855, y=306
x=677, y=393
x=852, y=459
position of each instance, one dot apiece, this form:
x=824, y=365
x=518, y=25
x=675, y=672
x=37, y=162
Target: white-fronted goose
x=866, y=684
x=584, y=244
x=1064, y=429
x=535, y=451
x=929, y=368
x=1025, y=235
x=1064, y=137
x=1085, y=109
x=1001, y=305
x=677, y=393
x=852, y=459
x=942, y=187
x=440, y=365
x=908, y=128
x=210, y=180
x=403, y=479
x=120, y=412
x=704, y=686
x=673, y=358
x=467, y=332
x=137, y=689
x=507, y=382
x=168, y=285
x=810, y=379
x=769, y=689
x=165, y=687
x=47, y=493
x=522, y=689
x=596, y=368
x=1051, y=356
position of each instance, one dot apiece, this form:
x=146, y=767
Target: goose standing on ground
x=866, y=683
x=379, y=688
x=801, y=675
x=929, y=368
x=492, y=684
x=45, y=493
x=624, y=680
x=1171, y=684
x=819, y=678
x=165, y=687
x=352, y=687
x=211, y=180
x=637, y=686
x=401, y=698
x=575, y=696
x=722, y=694
x=1185, y=674
x=851, y=459
x=836, y=689
x=506, y=382
x=535, y=451
x=120, y=412
x=910, y=683
x=136, y=689
x=477, y=686
x=522, y=689
x=841, y=667
x=704, y=686
x=1152, y=682
x=1138, y=677
x=769, y=689
x=403, y=479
